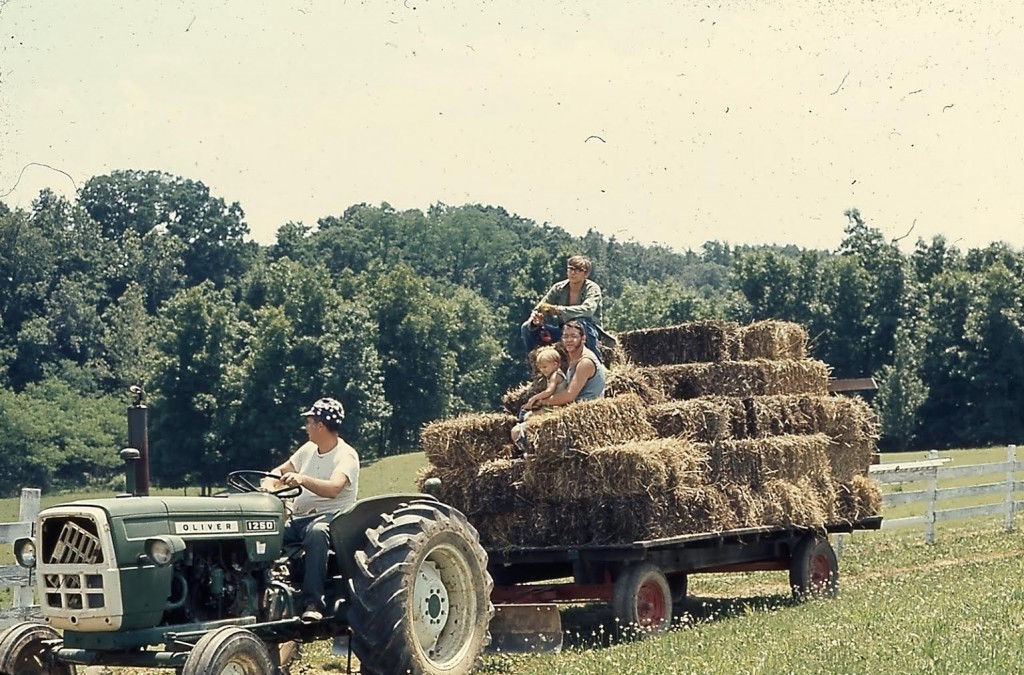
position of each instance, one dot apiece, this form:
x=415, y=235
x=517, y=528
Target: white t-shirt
x=308, y=461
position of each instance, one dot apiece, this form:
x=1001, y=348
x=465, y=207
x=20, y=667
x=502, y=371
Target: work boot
x=311, y=614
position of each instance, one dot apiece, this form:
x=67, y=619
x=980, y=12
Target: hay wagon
x=716, y=448
x=644, y=580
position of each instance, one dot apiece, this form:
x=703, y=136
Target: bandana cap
x=326, y=410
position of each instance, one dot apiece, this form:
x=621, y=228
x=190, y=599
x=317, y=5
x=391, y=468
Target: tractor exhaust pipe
x=138, y=438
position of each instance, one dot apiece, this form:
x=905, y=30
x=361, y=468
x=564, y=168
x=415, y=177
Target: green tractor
x=203, y=585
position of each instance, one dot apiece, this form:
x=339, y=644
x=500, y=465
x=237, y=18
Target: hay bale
x=693, y=342
x=849, y=422
x=706, y=419
x=628, y=379
x=700, y=508
x=796, y=503
x=508, y=529
x=846, y=418
x=757, y=462
x=495, y=487
x=742, y=379
x=468, y=439
x=598, y=521
x=853, y=427
x=860, y=498
x=454, y=483
x=642, y=468
x=781, y=414
x=774, y=340
x=746, y=507
x=513, y=399
x=588, y=425
x=709, y=341
x=612, y=357
x=850, y=460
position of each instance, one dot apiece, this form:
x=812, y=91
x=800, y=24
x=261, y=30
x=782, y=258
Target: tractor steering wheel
x=242, y=481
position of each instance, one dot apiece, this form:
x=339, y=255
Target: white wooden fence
x=14, y=576
x=931, y=471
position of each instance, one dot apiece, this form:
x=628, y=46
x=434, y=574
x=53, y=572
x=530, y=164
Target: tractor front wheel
x=23, y=652
x=813, y=569
x=642, y=600
x=421, y=601
x=229, y=651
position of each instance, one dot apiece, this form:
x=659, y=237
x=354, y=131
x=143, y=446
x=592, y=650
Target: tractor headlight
x=164, y=550
x=25, y=551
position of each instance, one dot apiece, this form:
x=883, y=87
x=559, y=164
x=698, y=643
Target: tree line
x=409, y=316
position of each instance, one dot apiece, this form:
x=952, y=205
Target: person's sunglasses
x=575, y=269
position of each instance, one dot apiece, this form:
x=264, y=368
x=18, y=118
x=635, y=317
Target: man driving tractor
x=327, y=470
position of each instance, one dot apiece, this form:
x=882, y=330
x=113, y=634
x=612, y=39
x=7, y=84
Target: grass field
x=905, y=607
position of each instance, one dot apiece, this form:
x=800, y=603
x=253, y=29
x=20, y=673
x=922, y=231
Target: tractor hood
x=252, y=516
x=93, y=571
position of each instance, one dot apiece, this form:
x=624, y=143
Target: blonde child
x=549, y=363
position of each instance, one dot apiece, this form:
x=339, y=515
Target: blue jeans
x=535, y=336
x=314, y=533
x=532, y=335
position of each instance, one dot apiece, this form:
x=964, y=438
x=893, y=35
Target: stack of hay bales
x=706, y=426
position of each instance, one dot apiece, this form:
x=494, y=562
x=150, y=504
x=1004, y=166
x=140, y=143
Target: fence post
x=933, y=486
x=1011, y=460
x=28, y=509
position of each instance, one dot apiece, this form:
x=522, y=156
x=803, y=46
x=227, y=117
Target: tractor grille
x=76, y=542
x=77, y=545
x=73, y=591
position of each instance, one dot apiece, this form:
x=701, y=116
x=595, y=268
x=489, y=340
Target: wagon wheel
x=421, y=600
x=228, y=651
x=813, y=569
x=22, y=651
x=642, y=599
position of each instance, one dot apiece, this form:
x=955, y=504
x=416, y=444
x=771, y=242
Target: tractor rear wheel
x=22, y=651
x=642, y=600
x=229, y=651
x=421, y=601
x=813, y=569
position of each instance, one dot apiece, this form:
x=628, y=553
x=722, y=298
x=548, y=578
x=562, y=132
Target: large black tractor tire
x=421, y=601
x=22, y=651
x=642, y=600
x=813, y=569
x=229, y=651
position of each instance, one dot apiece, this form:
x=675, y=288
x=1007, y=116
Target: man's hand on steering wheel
x=253, y=481
x=271, y=483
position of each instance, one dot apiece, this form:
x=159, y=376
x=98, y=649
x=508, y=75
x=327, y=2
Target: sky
x=747, y=122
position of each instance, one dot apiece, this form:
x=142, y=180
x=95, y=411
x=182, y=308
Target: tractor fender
x=348, y=528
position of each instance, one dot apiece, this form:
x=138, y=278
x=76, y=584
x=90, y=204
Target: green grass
x=905, y=607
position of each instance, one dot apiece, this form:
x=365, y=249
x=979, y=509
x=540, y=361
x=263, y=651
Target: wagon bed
x=643, y=579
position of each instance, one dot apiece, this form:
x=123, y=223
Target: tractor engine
x=213, y=582
x=139, y=562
